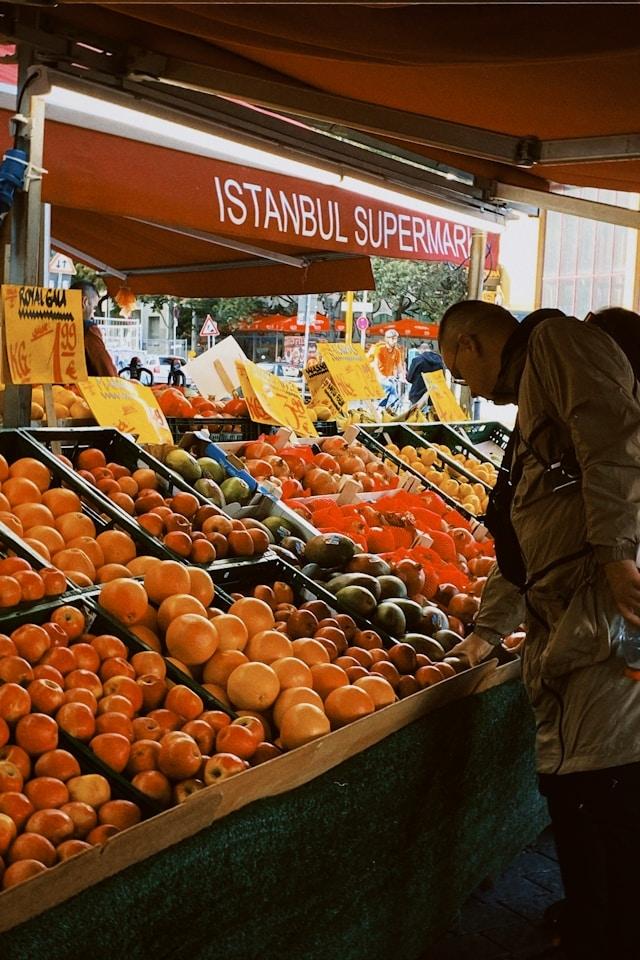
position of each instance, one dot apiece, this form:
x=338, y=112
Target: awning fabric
x=548, y=71
x=407, y=327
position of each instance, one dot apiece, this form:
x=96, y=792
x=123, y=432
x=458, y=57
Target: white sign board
x=202, y=369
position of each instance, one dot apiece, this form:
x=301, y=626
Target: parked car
x=161, y=367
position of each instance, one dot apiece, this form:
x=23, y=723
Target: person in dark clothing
x=428, y=361
x=99, y=363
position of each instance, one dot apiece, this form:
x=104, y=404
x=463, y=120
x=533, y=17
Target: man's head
x=471, y=337
x=90, y=298
x=391, y=339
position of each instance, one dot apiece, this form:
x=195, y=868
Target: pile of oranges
x=20, y=583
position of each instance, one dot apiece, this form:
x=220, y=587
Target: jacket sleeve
x=502, y=609
x=413, y=369
x=100, y=361
x=590, y=386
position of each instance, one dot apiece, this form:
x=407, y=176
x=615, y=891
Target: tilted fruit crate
x=106, y=515
x=373, y=437
x=488, y=437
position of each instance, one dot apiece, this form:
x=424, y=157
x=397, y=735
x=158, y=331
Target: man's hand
x=472, y=648
x=624, y=579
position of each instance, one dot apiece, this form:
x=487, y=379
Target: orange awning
x=529, y=94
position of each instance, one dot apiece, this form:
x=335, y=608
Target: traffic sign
x=209, y=327
x=60, y=263
x=362, y=322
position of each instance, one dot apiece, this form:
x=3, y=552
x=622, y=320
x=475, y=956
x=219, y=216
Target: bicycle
x=135, y=371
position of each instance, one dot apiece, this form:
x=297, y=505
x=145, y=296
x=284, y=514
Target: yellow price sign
x=351, y=371
x=446, y=405
x=128, y=406
x=44, y=334
x=322, y=387
x=280, y=400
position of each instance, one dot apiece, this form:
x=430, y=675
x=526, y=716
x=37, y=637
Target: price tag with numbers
x=446, y=405
x=44, y=335
x=280, y=400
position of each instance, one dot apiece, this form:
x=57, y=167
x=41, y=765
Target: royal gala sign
x=270, y=207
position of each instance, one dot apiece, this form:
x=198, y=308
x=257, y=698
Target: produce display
x=172, y=678
x=177, y=402
x=68, y=404
x=472, y=494
x=181, y=522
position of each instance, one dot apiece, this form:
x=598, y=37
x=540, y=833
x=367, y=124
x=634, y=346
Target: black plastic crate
x=489, y=432
x=221, y=429
x=105, y=514
x=326, y=428
x=118, y=447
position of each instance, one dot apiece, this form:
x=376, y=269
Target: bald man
x=575, y=511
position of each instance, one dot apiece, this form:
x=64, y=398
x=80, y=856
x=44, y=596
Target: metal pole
x=46, y=242
x=26, y=257
x=348, y=320
x=475, y=283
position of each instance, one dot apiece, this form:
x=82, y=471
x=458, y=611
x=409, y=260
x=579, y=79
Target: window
x=588, y=265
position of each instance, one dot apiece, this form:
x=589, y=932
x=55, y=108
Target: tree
x=420, y=289
x=228, y=312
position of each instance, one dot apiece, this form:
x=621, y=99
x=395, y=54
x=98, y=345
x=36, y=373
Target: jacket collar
x=514, y=355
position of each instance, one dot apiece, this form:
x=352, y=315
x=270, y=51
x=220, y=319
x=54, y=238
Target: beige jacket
x=575, y=389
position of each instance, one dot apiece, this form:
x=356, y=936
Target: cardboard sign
x=322, y=387
x=444, y=402
x=352, y=373
x=128, y=406
x=44, y=334
x=205, y=369
x=279, y=399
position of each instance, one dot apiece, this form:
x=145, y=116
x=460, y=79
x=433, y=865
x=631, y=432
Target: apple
x=406, y=686
x=91, y=788
x=403, y=657
x=221, y=766
x=265, y=751
x=186, y=788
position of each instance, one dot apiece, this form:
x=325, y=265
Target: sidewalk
x=502, y=921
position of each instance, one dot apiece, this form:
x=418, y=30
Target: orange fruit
x=147, y=636
x=328, y=677
x=201, y=585
x=379, y=689
x=60, y=500
x=72, y=560
x=12, y=522
x=72, y=525
x=50, y=537
x=33, y=515
x=191, y=638
x=253, y=686
x=255, y=614
x=91, y=547
x=31, y=469
x=185, y=504
x=310, y=651
x=32, y=846
x=345, y=704
x=10, y=592
x=20, y=871
x=301, y=724
x=31, y=584
x=117, y=547
x=21, y=490
x=70, y=848
x=139, y=565
x=292, y=673
x=128, y=486
x=90, y=458
x=292, y=696
x=4, y=468
x=221, y=665
x=268, y=645
x=178, y=542
x=232, y=632
x=176, y=606
x=202, y=552
x=124, y=599
x=123, y=500
x=38, y=548
x=164, y=579
x=145, y=478
x=112, y=571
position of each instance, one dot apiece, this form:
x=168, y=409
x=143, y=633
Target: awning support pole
x=26, y=226
x=475, y=283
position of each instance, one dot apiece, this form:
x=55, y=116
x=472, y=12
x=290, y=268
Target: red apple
x=221, y=766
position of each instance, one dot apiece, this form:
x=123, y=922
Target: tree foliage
x=419, y=289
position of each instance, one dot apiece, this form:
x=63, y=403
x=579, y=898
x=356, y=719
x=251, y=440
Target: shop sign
x=322, y=387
